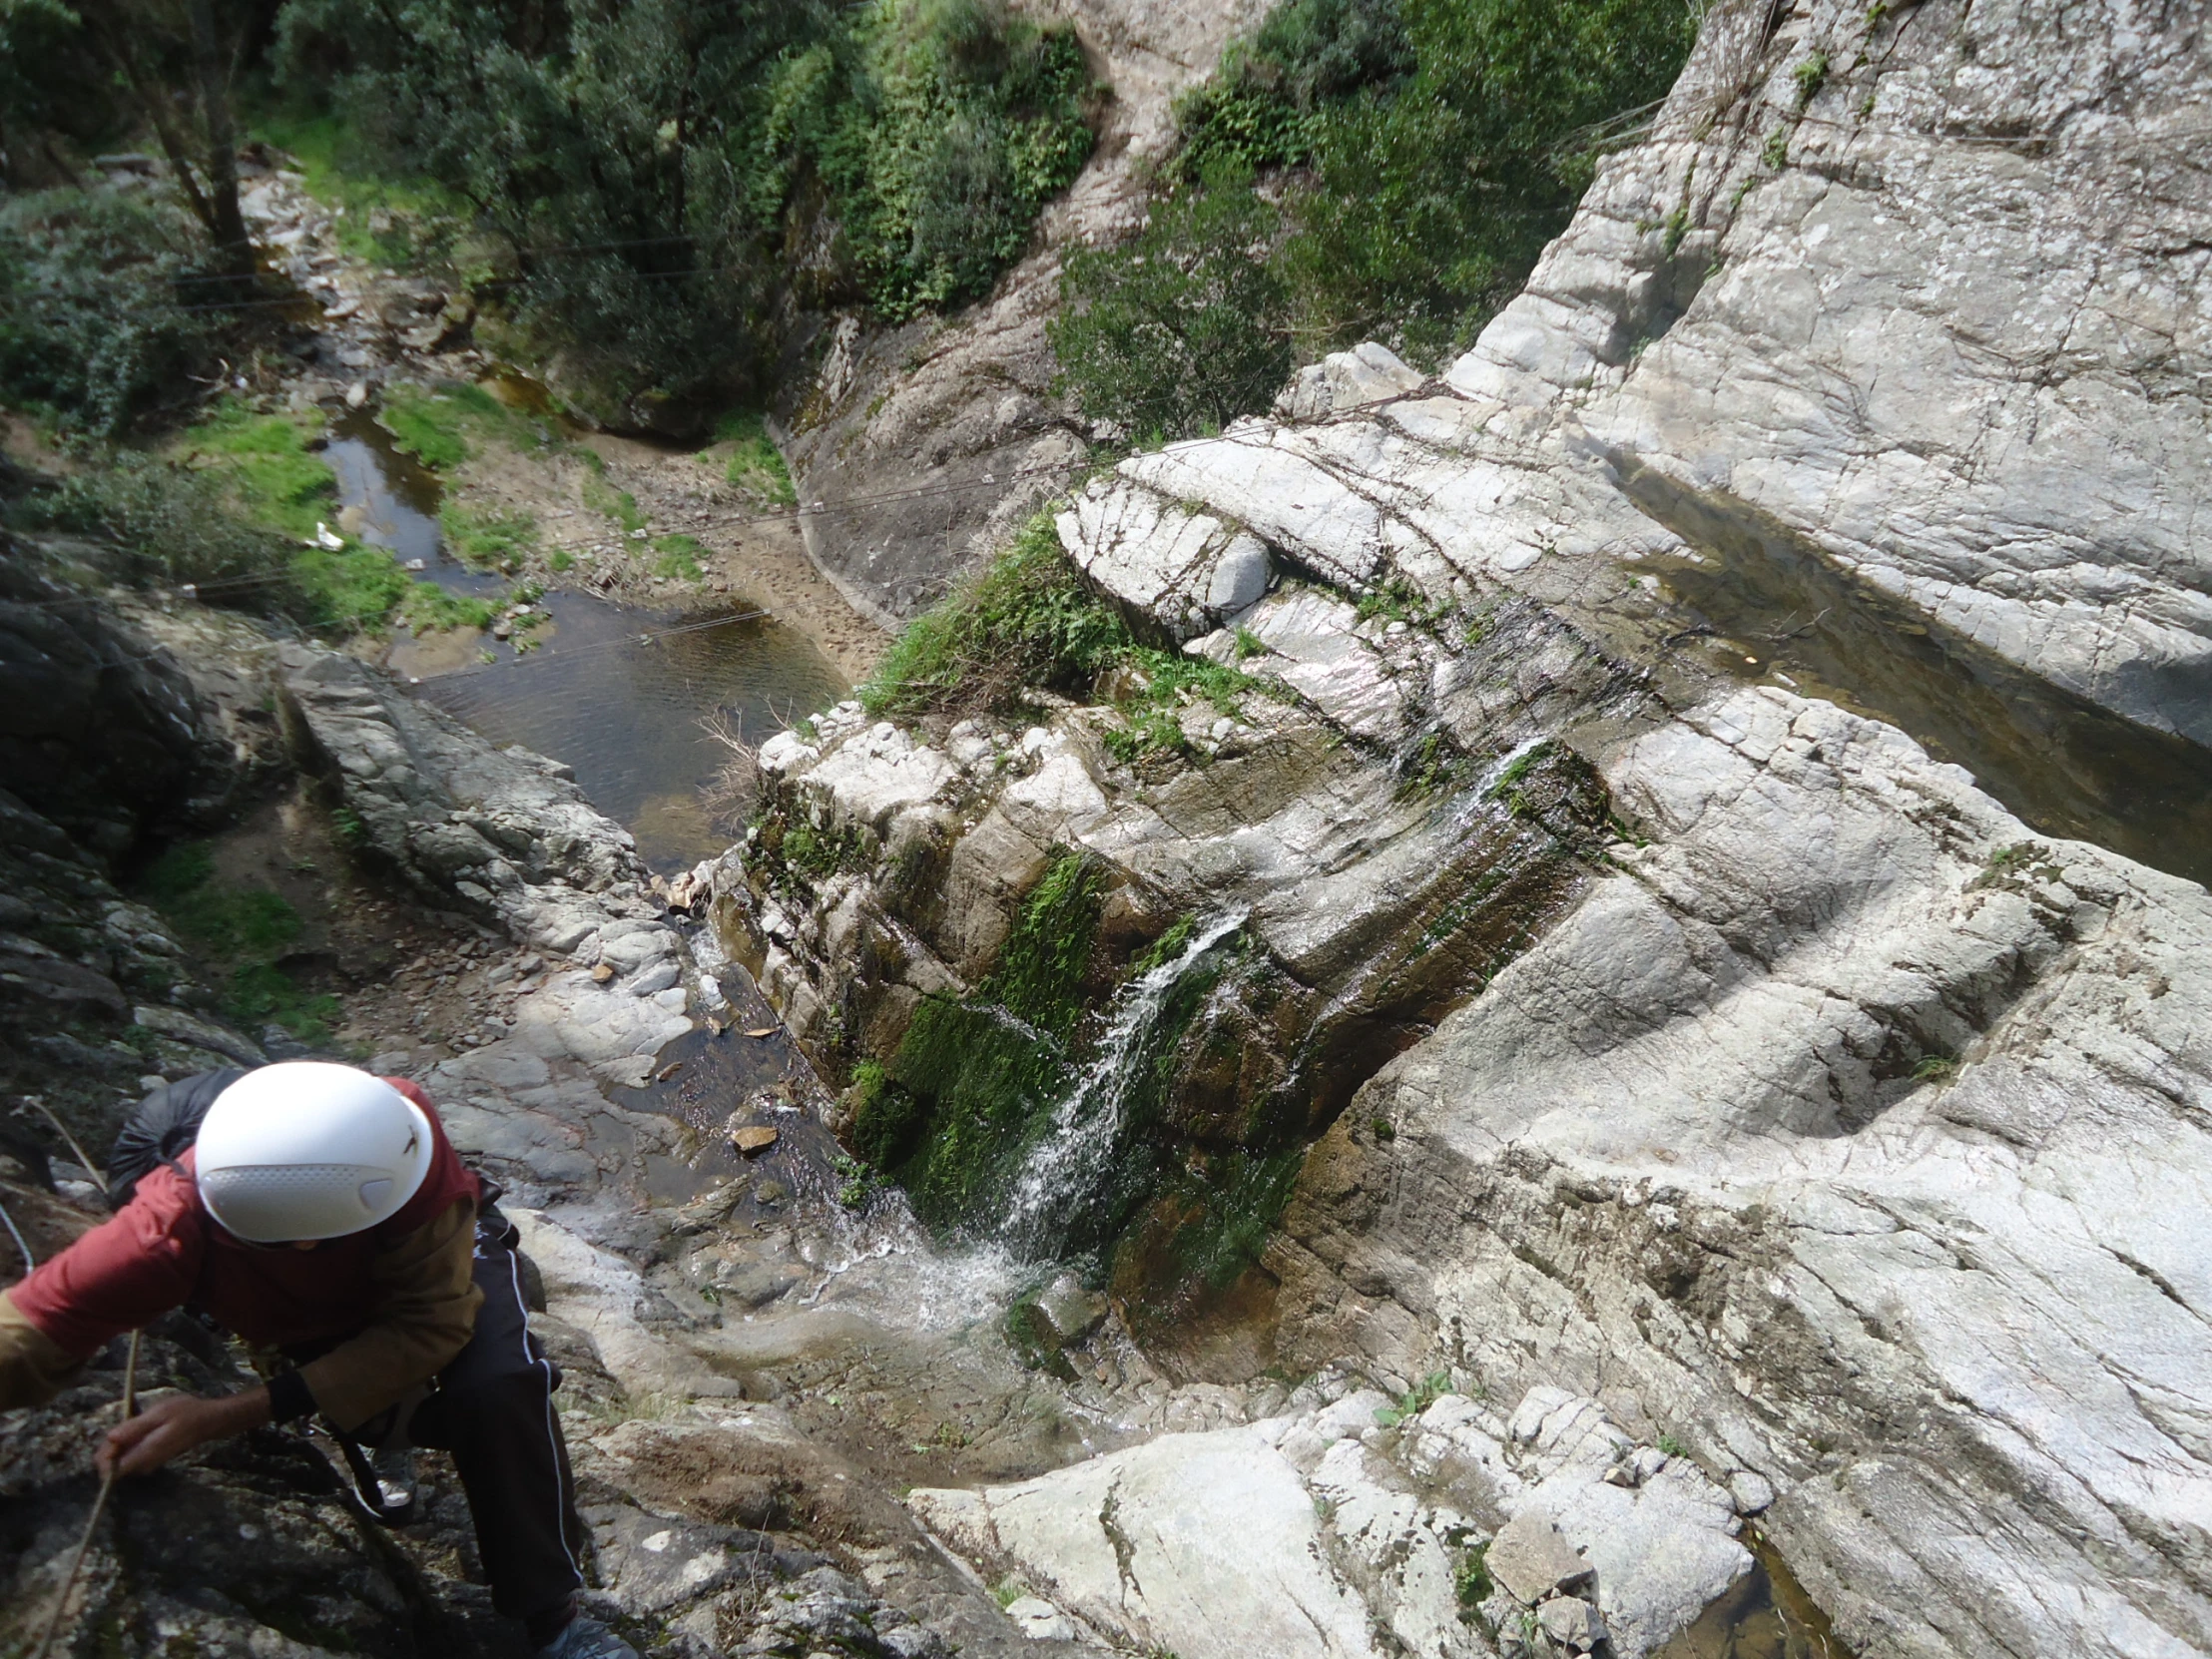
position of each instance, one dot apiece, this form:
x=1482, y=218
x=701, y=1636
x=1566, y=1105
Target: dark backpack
x=166, y=1122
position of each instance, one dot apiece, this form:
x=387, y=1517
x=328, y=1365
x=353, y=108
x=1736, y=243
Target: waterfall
x=1070, y=1161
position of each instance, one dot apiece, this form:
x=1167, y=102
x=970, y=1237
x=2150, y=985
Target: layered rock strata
x=1827, y=1122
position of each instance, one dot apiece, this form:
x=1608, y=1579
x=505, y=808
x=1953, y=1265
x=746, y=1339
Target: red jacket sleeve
x=131, y=1268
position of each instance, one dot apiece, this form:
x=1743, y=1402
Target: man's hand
x=168, y=1427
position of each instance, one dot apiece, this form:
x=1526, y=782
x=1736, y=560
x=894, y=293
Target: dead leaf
x=756, y=1139
x=713, y=1026
x=667, y=1071
x=765, y=1031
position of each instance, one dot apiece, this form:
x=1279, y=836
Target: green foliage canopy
x=1423, y=152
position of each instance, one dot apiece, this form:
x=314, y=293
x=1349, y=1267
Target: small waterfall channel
x=1072, y=1165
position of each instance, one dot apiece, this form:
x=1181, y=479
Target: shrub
x=93, y=290
x=1260, y=108
x=1183, y=329
x=1026, y=620
x=173, y=524
x=938, y=129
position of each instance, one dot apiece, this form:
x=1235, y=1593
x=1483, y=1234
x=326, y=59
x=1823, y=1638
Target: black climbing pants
x=492, y=1411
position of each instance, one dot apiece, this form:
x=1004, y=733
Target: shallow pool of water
x=1765, y=1614
x=619, y=694
x=2063, y=765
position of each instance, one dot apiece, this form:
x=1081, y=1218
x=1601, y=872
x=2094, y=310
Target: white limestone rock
x=1184, y=571
x=1206, y=1546
x=1368, y=373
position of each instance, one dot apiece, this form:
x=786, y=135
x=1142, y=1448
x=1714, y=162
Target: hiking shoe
x=586, y=1638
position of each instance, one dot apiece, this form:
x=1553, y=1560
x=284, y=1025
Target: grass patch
x=603, y=498
x=754, y=464
x=442, y=427
x=428, y=606
x=239, y=932
x=276, y=480
x=1029, y=621
x=678, y=556
x=487, y=539
x=352, y=590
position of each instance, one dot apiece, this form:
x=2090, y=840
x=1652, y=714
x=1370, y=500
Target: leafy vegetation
x=1027, y=620
x=754, y=464
x=936, y=129
x=240, y=931
x=384, y=218
x=1422, y=151
x=94, y=326
x=642, y=171
x=485, y=538
x=1415, y=1400
x=1187, y=326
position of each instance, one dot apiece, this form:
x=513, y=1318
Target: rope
x=16, y=1233
x=92, y=1522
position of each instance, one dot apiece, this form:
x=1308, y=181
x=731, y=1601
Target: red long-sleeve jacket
x=397, y=1298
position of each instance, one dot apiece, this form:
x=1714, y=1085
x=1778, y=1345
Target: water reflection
x=605, y=688
x=2063, y=765
x=1765, y=1614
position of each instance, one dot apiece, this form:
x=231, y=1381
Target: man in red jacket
x=320, y=1214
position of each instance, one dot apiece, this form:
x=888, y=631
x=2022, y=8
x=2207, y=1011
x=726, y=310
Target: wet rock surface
x=1804, y=1127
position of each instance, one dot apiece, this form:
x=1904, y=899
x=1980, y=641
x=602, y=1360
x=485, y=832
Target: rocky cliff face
x=1757, y=1074
x=917, y=449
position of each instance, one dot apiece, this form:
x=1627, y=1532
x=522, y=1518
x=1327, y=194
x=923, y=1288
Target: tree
x=180, y=58
x=1181, y=329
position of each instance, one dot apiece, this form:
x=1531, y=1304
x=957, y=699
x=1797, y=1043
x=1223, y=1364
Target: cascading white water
x=1070, y=1161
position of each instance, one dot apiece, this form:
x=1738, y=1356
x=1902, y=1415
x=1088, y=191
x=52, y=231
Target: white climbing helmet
x=305, y=1149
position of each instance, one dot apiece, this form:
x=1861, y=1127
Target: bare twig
x=83, y=1157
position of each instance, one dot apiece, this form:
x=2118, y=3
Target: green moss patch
x=485, y=538
x=239, y=932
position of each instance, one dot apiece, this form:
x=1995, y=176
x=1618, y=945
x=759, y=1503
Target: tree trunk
x=234, y=248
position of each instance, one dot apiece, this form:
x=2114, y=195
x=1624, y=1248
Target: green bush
x=93, y=290
x=174, y=525
x=938, y=128
x=1262, y=105
x=1027, y=620
x=1430, y=204
x=1183, y=327
x=177, y=524
x=1435, y=146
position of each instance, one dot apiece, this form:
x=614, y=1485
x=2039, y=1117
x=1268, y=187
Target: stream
x=619, y=694
x=608, y=688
